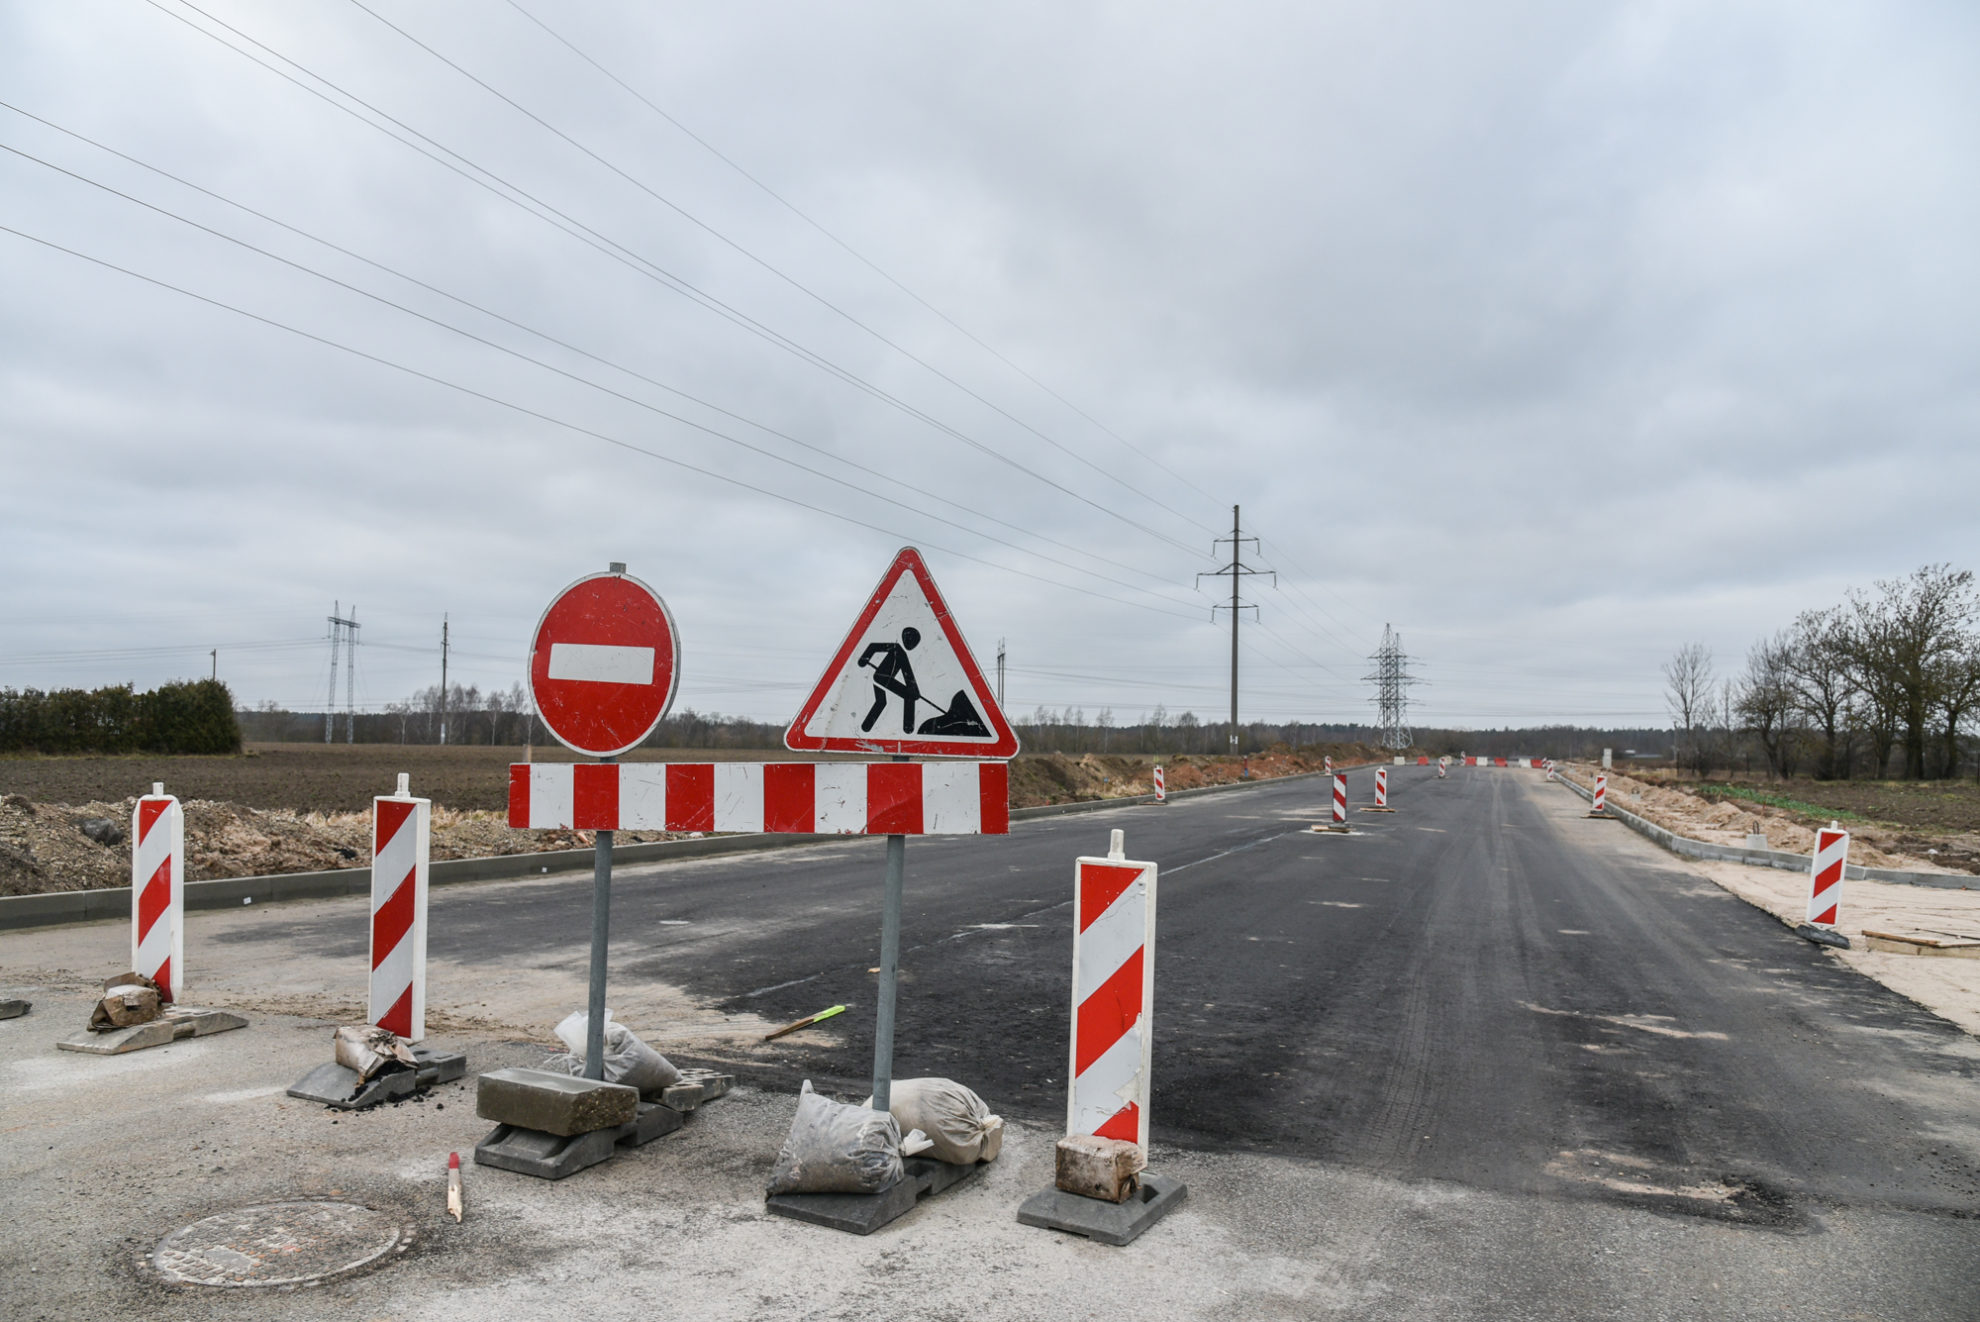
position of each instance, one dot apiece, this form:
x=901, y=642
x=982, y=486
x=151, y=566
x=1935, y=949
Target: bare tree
x=1959, y=698
x=1688, y=692
x=1908, y=638
x=1765, y=704
x=1816, y=668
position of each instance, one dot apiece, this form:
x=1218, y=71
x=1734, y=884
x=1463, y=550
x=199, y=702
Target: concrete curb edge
x=1768, y=858
x=55, y=908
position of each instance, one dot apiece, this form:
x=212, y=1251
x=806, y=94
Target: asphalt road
x=1483, y=987
x=1483, y=1059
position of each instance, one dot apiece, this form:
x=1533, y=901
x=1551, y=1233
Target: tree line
x=1887, y=681
x=193, y=716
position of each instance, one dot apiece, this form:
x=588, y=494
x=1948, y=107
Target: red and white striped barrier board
x=1422, y=761
x=1381, y=787
x=1601, y=792
x=1340, y=796
x=1826, y=870
x=1161, y=787
x=158, y=892
x=764, y=798
x=1471, y=761
x=401, y=833
x=1113, y=997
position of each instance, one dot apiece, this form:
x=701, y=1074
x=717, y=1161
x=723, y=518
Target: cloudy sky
x=1554, y=334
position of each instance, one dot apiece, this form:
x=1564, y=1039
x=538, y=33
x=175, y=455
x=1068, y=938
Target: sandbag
x=367, y=1050
x=836, y=1148
x=960, y=1128
x=627, y=1059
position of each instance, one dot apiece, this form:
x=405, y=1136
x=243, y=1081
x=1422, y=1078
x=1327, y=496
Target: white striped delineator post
x=1825, y=871
x=1381, y=803
x=158, y=892
x=1599, y=803
x=1161, y=785
x=401, y=847
x=1337, y=825
x=401, y=838
x=158, y=935
x=1111, y=1044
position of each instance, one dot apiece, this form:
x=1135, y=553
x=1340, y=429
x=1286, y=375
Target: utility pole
x=443, y=680
x=1237, y=570
x=215, y=654
x=1000, y=672
x=350, y=677
x=336, y=641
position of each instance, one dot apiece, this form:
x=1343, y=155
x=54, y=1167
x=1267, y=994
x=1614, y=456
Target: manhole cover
x=278, y=1244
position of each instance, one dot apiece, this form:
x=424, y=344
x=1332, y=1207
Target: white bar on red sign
x=158, y=892
x=759, y=798
x=401, y=837
x=1825, y=871
x=1113, y=999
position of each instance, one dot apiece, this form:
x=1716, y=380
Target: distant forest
x=499, y=717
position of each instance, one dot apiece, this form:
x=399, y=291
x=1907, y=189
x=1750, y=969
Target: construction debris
x=806, y=1022
x=129, y=999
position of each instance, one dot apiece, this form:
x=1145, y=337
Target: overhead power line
x=540, y=416
x=517, y=196
x=851, y=251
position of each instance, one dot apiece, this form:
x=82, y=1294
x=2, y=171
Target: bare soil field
x=307, y=807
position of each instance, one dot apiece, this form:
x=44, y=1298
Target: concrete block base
x=696, y=1087
x=554, y=1156
x=554, y=1103
x=14, y=1009
x=864, y=1213
x=1375, y=810
x=335, y=1085
x=1331, y=830
x=1117, y=1224
x=177, y=1023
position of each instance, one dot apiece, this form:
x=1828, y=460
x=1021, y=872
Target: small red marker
x=454, y=1184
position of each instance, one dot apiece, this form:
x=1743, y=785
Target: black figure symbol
x=894, y=673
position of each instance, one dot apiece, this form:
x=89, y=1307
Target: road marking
x=596, y=663
x=1572, y=931
x=1340, y=904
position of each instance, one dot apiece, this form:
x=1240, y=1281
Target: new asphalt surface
x=1483, y=1058
x=1483, y=986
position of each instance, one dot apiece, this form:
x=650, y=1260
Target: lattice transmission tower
x=343, y=637
x=1392, y=679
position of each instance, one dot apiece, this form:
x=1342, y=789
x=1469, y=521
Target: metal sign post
x=604, y=665
x=890, y=959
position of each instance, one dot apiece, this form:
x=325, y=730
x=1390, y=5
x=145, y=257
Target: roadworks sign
x=904, y=681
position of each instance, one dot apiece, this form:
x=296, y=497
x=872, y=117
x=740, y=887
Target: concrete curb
x=1768, y=858
x=21, y=912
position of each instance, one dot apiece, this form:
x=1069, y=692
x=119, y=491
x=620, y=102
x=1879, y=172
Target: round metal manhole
x=279, y=1244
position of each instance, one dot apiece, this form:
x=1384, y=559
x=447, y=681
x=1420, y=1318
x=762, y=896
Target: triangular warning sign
x=904, y=681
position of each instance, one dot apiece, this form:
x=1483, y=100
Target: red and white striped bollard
x=1381, y=787
x=1113, y=996
x=1340, y=797
x=1826, y=873
x=158, y=892
x=1601, y=792
x=1161, y=785
x=401, y=837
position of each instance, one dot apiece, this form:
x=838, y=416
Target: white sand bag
x=960, y=1128
x=627, y=1059
x=835, y=1148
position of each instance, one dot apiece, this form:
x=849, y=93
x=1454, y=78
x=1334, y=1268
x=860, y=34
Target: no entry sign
x=604, y=663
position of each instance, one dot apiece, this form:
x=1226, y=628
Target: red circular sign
x=604, y=664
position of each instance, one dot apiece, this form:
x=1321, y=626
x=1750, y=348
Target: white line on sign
x=600, y=664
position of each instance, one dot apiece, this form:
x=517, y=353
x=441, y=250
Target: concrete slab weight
x=533, y=1115
x=864, y=1213
x=1118, y=1224
x=336, y=1085
x=176, y=1023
